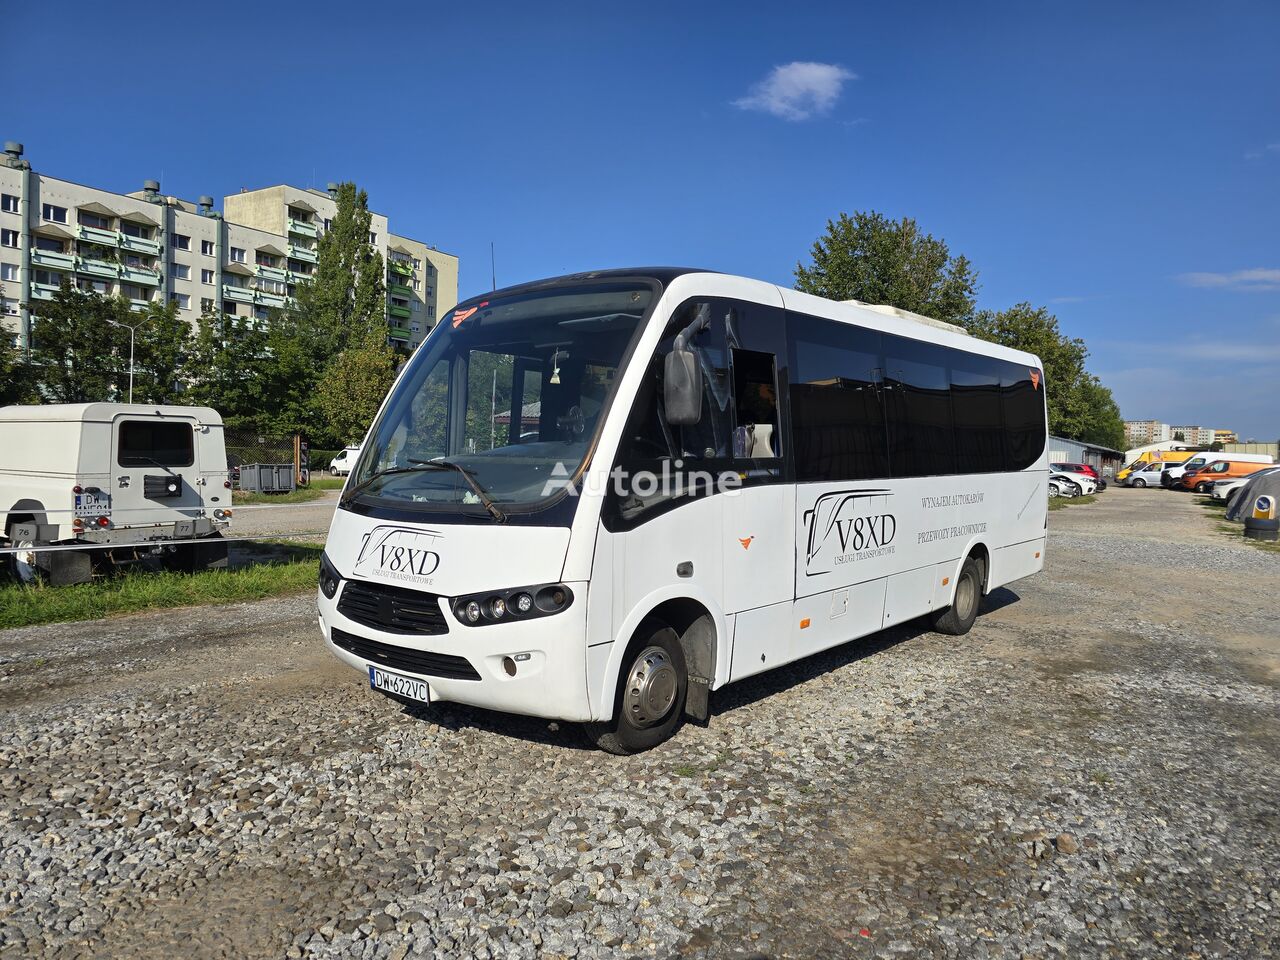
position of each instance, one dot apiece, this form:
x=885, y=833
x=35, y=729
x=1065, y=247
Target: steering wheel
x=572, y=421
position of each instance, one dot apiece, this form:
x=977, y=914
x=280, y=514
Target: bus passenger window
x=756, y=397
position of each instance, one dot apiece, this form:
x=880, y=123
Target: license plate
x=385, y=682
x=92, y=504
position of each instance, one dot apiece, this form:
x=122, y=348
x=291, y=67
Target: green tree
x=16, y=385
x=346, y=296
x=871, y=258
x=1179, y=436
x=230, y=369
x=1103, y=423
x=354, y=385
x=161, y=344
x=74, y=346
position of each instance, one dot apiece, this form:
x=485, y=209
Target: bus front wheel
x=649, y=700
x=958, y=618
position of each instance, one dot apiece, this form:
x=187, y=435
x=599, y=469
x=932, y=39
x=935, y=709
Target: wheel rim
x=652, y=684
x=966, y=592
x=1139, y=483
x=24, y=563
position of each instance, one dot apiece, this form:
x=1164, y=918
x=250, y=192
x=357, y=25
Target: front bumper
x=549, y=654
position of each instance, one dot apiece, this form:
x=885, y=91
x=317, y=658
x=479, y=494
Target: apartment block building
x=1225, y=436
x=150, y=248
x=1146, y=431
x=1196, y=436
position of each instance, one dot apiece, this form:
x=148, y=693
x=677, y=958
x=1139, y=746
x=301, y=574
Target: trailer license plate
x=92, y=504
x=401, y=686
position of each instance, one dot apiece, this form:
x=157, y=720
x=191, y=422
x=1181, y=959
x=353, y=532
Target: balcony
x=139, y=305
x=97, y=268
x=400, y=268
x=138, y=245
x=398, y=333
x=296, y=278
x=303, y=253
x=271, y=299
x=404, y=313
x=272, y=273
x=399, y=289
x=108, y=238
x=142, y=275
x=43, y=291
x=239, y=294
x=303, y=229
x=53, y=259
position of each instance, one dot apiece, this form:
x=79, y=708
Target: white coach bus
x=600, y=497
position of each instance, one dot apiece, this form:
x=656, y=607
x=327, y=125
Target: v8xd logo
x=399, y=553
x=845, y=526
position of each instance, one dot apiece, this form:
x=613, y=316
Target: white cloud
x=1260, y=153
x=797, y=91
x=1257, y=279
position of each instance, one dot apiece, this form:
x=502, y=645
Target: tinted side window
x=975, y=402
x=918, y=408
x=837, y=417
x=1022, y=400
x=146, y=443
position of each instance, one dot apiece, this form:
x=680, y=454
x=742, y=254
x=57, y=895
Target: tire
x=649, y=701
x=333, y=471
x=1202, y=487
x=1054, y=491
x=22, y=566
x=1139, y=482
x=958, y=618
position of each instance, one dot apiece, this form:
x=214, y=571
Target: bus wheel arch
x=696, y=628
x=970, y=584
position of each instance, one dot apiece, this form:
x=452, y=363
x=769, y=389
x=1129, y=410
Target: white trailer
x=134, y=479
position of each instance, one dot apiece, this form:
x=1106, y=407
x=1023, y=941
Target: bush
x=320, y=459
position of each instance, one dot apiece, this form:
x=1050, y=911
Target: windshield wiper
x=442, y=463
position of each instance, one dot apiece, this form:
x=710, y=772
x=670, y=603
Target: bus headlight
x=329, y=577
x=506, y=606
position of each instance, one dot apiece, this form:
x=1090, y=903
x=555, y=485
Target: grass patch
x=142, y=589
x=1236, y=532
x=301, y=495
x=1061, y=503
x=326, y=482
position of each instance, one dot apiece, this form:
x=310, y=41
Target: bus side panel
x=761, y=640
x=827, y=619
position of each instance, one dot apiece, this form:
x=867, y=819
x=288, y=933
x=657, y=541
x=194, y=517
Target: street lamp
x=132, y=330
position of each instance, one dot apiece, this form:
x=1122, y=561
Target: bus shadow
x=455, y=717
x=746, y=692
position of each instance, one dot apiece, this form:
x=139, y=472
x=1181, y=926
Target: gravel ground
x=1092, y=771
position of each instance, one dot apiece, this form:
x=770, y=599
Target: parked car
x=1076, y=468
x=1172, y=475
x=1201, y=480
x=1146, y=475
x=126, y=481
x=341, y=465
x=1168, y=457
x=1223, y=489
x=1084, y=483
x=1062, y=486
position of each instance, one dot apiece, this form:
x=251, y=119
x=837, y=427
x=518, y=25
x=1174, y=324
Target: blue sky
x=1119, y=162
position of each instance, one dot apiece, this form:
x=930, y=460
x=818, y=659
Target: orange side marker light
x=804, y=624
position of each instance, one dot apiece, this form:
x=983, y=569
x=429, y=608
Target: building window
x=327, y=224
x=260, y=313
x=135, y=230
x=93, y=220
x=206, y=276
x=414, y=305
x=182, y=300
x=417, y=284
x=180, y=241
x=11, y=307
x=57, y=214
x=8, y=238
x=237, y=255
x=9, y=271
x=206, y=247
x=48, y=277
x=134, y=292
x=373, y=239
x=229, y=309
x=180, y=271
x=416, y=263
x=94, y=286
x=431, y=311
x=8, y=203
x=206, y=305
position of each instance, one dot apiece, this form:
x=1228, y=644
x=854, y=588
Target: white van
x=341, y=465
x=131, y=478
x=1170, y=476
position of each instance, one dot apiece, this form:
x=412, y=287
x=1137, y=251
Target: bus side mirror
x=682, y=387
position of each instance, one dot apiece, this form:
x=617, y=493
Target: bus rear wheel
x=958, y=618
x=649, y=700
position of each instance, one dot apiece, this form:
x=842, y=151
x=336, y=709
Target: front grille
x=402, y=658
x=392, y=609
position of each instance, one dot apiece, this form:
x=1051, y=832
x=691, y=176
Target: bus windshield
x=500, y=406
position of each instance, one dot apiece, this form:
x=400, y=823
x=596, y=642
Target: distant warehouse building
x=1103, y=459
